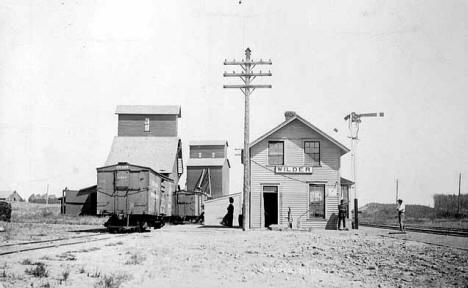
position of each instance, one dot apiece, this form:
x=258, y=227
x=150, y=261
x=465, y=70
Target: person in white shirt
x=401, y=214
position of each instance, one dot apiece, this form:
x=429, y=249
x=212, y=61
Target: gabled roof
x=207, y=162
x=343, y=148
x=149, y=109
x=157, y=153
x=209, y=143
x=133, y=165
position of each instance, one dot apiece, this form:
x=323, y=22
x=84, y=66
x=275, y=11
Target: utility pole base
x=356, y=219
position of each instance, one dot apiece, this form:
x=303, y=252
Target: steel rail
x=44, y=241
x=448, y=232
x=59, y=244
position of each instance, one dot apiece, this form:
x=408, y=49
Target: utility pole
x=459, y=194
x=247, y=76
x=354, y=120
x=396, y=200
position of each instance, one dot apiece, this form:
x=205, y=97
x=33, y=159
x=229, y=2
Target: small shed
x=215, y=209
x=80, y=202
x=10, y=196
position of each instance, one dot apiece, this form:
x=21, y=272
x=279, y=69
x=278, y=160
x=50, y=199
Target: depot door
x=316, y=201
x=270, y=204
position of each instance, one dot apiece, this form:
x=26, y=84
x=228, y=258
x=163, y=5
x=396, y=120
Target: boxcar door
x=105, y=192
x=122, y=181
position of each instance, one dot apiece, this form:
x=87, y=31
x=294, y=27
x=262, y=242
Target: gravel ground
x=190, y=256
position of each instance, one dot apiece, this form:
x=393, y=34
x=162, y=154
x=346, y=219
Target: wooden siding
x=174, y=176
x=292, y=193
x=206, y=151
x=215, y=209
x=160, y=125
x=225, y=178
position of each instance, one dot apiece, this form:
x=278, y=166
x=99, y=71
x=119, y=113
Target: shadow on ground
x=218, y=227
x=93, y=230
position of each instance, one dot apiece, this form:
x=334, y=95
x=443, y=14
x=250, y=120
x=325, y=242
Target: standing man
x=342, y=212
x=401, y=214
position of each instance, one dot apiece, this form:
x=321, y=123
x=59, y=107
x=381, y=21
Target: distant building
x=10, y=196
x=295, y=166
x=208, y=167
x=42, y=199
x=148, y=136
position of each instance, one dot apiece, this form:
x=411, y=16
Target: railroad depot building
x=295, y=167
x=148, y=137
x=208, y=167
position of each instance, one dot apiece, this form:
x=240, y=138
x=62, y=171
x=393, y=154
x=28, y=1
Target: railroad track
x=44, y=244
x=449, y=232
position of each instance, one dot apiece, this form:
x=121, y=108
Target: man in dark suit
x=342, y=211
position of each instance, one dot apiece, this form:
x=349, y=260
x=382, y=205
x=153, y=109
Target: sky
x=65, y=65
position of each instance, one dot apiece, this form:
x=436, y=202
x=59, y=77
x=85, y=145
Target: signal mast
x=354, y=120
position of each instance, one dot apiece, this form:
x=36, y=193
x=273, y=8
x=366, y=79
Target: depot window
x=275, y=153
x=312, y=153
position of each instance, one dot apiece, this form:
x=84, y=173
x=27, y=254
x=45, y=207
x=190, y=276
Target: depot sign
x=293, y=169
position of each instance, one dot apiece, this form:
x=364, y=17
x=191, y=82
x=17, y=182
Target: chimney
x=289, y=114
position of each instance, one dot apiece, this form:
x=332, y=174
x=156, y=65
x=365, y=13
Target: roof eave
x=179, y=112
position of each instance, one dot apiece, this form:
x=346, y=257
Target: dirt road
x=190, y=256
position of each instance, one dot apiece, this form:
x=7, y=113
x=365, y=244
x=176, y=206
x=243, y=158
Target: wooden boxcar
x=188, y=205
x=133, y=196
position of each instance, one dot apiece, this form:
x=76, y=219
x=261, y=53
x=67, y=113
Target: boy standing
x=401, y=214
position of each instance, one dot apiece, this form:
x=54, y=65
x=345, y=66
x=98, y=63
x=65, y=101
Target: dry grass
x=33, y=221
x=24, y=212
x=112, y=281
x=95, y=274
x=65, y=275
x=39, y=270
x=26, y=262
x=6, y=235
x=135, y=259
x=114, y=244
x=35, y=231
